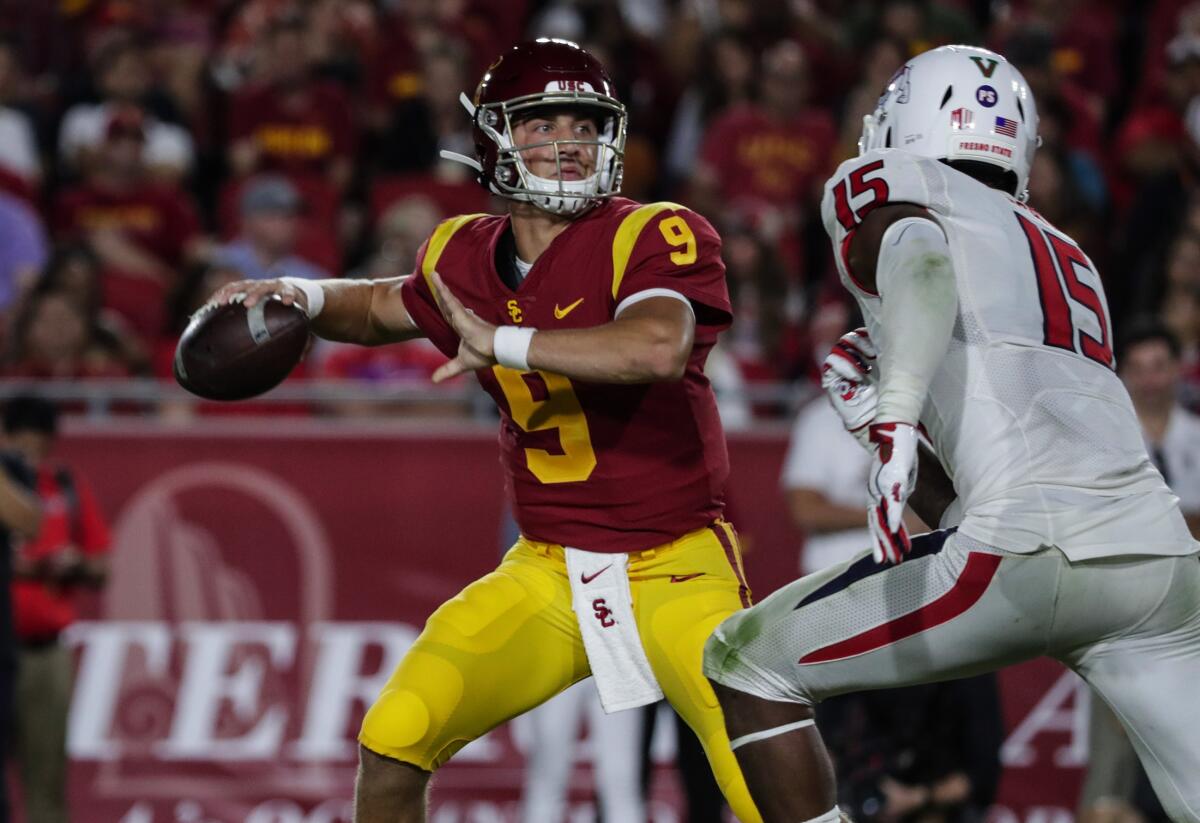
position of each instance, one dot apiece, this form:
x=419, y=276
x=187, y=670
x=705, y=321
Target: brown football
x=230, y=352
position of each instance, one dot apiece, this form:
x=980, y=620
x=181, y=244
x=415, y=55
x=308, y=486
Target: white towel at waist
x=604, y=608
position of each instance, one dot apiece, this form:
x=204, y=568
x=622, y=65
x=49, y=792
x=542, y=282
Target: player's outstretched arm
x=903, y=253
x=368, y=312
x=649, y=342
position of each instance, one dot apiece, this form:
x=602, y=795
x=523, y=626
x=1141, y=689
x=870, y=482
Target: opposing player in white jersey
x=993, y=334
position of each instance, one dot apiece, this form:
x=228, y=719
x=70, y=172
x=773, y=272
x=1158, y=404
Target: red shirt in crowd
x=41, y=610
x=764, y=163
x=159, y=220
x=297, y=132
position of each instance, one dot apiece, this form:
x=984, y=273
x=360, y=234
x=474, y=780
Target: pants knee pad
x=396, y=726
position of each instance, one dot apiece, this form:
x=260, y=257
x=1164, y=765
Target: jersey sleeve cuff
x=638, y=297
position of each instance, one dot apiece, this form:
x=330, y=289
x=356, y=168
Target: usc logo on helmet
x=574, y=85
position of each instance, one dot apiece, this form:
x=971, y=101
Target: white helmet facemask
x=958, y=103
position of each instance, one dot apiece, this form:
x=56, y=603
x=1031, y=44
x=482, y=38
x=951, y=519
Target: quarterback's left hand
x=475, y=335
x=892, y=479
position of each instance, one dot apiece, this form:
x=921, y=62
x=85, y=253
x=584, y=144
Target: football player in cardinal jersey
x=994, y=336
x=588, y=318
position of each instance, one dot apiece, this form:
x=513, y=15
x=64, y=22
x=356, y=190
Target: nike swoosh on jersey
x=680, y=578
x=588, y=578
x=559, y=314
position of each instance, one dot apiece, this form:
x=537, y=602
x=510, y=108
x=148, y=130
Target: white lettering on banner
x=1052, y=715
x=337, y=684
x=225, y=667
x=207, y=686
x=269, y=811
x=106, y=647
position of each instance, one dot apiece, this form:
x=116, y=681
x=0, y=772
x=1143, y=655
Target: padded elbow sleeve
x=916, y=285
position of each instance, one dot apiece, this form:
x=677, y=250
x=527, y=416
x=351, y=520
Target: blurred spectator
x=916, y=24
x=270, y=226
x=1053, y=192
x=398, y=111
x=765, y=162
x=288, y=120
x=729, y=384
x=927, y=754
x=23, y=250
x=771, y=153
x=445, y=69
x=54, y=339
x=400, y=231
x=616, y=739
x=824, y=480
x=1081, y=40
x=1031, y=49
x=20, y=517
x=124, y=82
x=1150, y=368
x=884, y=57
x=1181, y=315
x=74, y=272
x=67, y=554
x=20, y=165
x=144, y=234
x=763, y=335
x=725, y=79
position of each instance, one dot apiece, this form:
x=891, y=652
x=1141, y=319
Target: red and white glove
x=849, y=378
x=892, y=479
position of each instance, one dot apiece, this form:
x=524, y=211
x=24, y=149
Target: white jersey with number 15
x=1026, y=412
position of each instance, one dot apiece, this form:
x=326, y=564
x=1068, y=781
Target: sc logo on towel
x=603, y=613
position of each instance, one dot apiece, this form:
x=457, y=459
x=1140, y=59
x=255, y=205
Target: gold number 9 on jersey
x=677, y=232
x=560, y=410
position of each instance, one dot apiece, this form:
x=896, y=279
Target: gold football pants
x=510, y=641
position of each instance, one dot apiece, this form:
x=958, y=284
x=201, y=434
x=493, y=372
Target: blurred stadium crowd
x=151, y=150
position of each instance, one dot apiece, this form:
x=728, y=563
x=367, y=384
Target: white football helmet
x=958, y=103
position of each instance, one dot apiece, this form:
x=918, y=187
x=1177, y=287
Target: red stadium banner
x=266, y=577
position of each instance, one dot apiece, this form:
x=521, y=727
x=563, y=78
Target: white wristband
x=510, y=345
x=313, y=293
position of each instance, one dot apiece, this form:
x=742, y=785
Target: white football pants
x=1130, y=626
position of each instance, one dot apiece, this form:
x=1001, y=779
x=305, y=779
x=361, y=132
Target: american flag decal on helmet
x=962, y=119
x=1006, y=127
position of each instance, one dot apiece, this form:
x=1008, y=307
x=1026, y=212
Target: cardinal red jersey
x=595, y=466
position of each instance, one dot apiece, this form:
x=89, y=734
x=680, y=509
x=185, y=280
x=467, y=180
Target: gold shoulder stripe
x=627, y=236
x=437, y=244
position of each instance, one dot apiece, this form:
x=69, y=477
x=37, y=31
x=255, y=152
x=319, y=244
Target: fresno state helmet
x=958, y=103
x=530, y=76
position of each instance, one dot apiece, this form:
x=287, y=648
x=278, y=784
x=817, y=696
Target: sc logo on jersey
x=987, y=97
